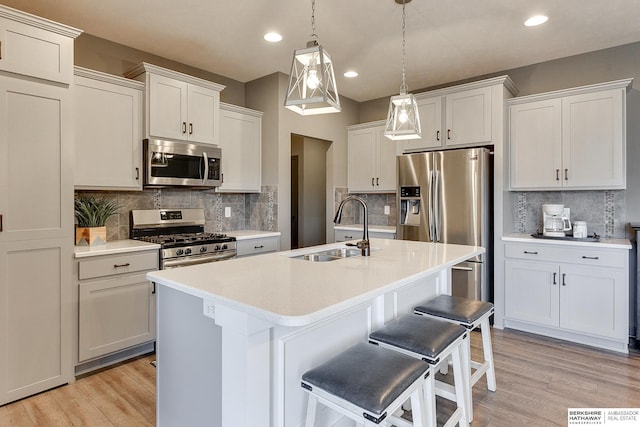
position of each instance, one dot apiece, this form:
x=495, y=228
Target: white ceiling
x=447, y=40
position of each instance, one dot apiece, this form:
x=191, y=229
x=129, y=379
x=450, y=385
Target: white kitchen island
x=234, y=337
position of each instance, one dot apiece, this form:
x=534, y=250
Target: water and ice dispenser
x=410, y=205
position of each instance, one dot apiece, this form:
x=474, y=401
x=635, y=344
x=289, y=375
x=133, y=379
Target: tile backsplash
x=254, y=211
x=604, y=211
x=353, y=213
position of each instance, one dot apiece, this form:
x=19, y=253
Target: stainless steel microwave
x=181, y=163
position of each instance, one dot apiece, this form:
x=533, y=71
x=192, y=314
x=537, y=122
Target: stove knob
x=203, y=249
x=225, y=246
x=217, y=247
x=187, y=251
x=179, y=252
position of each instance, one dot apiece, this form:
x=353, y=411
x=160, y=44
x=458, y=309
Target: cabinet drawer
x=117, y=264
x=344, y=235
x=575, y=255
x=258, y=246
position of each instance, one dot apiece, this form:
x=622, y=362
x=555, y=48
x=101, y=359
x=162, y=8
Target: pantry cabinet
x=241, y=143
x=573, y=139
x=108, y=126
x=179, y=106
x=36, y=167
x=570, y=292
x=372, y=159
x=36, y=47
x=458, y=116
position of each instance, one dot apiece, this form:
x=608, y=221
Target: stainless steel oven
x=176, y=163
x=181, y=236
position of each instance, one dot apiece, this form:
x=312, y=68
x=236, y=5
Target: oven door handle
x=206, y=167
x=185, y=261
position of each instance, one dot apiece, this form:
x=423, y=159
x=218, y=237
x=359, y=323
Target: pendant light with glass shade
x=312, y=83
x=403, y=120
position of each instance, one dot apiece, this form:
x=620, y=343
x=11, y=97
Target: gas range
x=181, y=235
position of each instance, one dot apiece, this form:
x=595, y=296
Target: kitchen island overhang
x=271, y=318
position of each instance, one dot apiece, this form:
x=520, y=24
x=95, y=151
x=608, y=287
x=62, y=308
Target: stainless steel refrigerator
x=446, y=196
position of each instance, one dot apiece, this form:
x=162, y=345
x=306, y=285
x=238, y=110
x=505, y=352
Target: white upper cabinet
x=571, y=139
x=536, y=144
x=457, y=116
x=241, y=143
x=36, y=47
x=372, y=159
x=468, y=117
x=179, y=106
x=108, y=126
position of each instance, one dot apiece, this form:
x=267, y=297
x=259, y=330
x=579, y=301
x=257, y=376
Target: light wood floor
x=538, y=379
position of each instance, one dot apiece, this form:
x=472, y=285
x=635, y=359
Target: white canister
x=579, y=229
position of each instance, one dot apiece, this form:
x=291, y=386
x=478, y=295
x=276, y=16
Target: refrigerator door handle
x=436, y=205
x=430, y=207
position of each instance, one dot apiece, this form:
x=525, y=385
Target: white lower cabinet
x=258, y=245
x=116, y=303
x=574, y=293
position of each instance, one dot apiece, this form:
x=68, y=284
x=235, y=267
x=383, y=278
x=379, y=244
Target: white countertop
x=251, y=234
x=114, y=247
x=295, y=292
x=603, y=243
x=359, y=227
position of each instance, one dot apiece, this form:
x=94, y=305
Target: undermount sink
x=329, y=255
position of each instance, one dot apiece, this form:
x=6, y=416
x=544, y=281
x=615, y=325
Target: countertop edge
x=372, y=228
x=252, y=234
x=113, y=248
x=603, y=243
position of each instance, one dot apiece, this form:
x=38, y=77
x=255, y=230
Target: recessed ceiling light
x=351, y=74
x=272, y=37
x=536, y=20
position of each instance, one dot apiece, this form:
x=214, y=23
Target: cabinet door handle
x=448, y=133
x=554, y=278
x=121, y=265
x=0, y=49
x=258, y=247
x=348, y=237
x=221, y=178
x=190, y=128
x=377, y=181
x=0, y=222
x=184, y=127
x=372, y=181
x=531, y=252
x=137, y=174
x=153, y=289
x=437, y=135
x=590, y=257
x=566, y=174
x=557, y=174
x=564, y=283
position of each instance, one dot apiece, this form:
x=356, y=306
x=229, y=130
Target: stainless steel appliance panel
x=463, y=199
x=445, y=196
x=465, y=280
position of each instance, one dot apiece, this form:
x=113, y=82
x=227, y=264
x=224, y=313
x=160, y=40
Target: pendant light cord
x=313, y=19
x=403, y=88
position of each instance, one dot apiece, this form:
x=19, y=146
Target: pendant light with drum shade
x=403, y=120
x=312, y=83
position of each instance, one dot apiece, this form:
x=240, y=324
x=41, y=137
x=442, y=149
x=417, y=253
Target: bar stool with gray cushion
x=433, y=341
x=369, y=384
x=471, y=314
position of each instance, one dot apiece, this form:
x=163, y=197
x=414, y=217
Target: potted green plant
x=91, y=215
